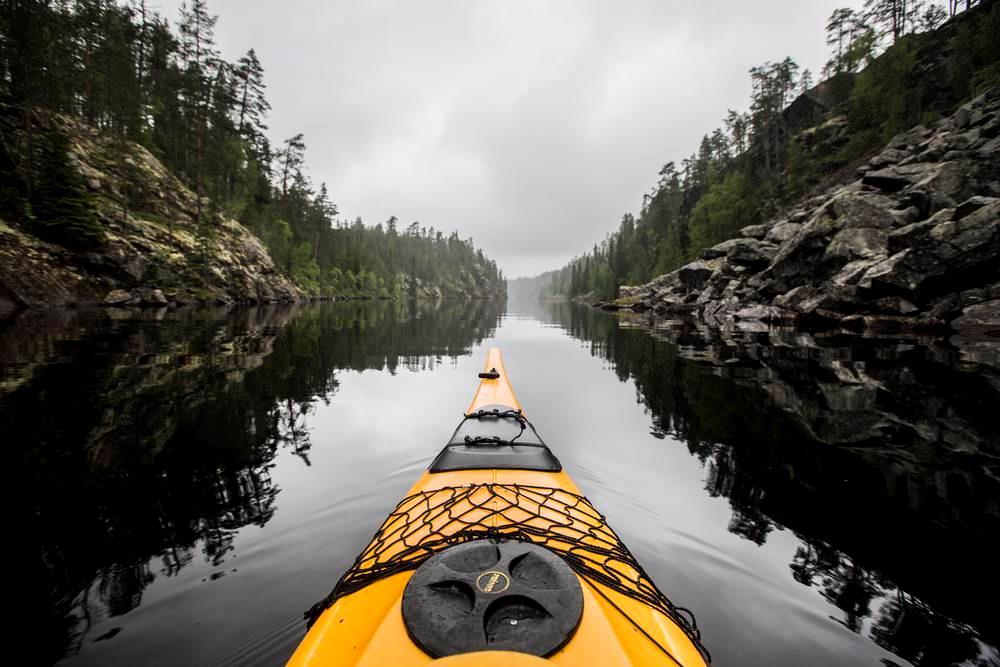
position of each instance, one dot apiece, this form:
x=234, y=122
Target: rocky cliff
x=153, y=251
x=912, y=243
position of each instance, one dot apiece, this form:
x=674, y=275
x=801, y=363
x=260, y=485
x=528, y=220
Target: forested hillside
x=122, y=68
x=893, y=64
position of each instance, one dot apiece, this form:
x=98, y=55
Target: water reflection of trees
x=141, y=444
x=879, y=454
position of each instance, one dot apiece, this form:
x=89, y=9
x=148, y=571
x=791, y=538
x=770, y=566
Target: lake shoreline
x=913, y=244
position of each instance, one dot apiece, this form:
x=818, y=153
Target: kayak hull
x=623, y=620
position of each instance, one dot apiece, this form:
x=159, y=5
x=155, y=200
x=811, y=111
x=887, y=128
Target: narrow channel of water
x=186, y=484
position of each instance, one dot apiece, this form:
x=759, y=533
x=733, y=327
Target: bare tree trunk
x=29, y=134
x=284, y=176
x=141, y=65
x=197, y=177
x=243, y=102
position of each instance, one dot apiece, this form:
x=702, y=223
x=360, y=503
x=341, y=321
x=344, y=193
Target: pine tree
x=933, y=17
x=201, y=66
x=805, y=81
x=253, y=105
x=736, y=125
x=838, y=32
x=895, y=17
x=141, y=10
x=772, y=83
x=290, y=159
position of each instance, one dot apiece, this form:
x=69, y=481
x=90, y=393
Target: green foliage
x=721, y=212
x=862, y=50
x=63, y=213
x=803, y=169
x=888, y=95
x=974, y=55
x=884, y=100
x=305, y=271
x=985, y=78
x=761, y=162
x=120, y=67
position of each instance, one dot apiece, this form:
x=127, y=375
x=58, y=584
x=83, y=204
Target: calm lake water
x=186, y=484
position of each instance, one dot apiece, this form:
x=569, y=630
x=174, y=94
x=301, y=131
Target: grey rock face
x=755, y=231
x=782, y=231
x=117, y=297
x=142, y=296
x=886, y=179
x=857, y=243
x=629, y=290
x=693, y=276
x=911, y=244
x=155, y=244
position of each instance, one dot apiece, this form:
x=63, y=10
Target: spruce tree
x=12, y=186
x=62, y=211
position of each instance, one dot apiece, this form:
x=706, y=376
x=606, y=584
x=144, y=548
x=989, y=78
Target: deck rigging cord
x=494, y=440
x=567, y=524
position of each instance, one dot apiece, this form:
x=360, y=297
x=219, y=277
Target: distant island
x=136, y=169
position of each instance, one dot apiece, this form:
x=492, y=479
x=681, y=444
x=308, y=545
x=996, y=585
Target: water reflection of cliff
x=880, y=454
x=130, y=439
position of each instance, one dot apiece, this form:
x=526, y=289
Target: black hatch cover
x=492, y=595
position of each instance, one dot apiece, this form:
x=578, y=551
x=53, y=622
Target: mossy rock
x=627, y=301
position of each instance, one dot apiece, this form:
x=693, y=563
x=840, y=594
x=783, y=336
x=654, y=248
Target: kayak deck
x=626, y=620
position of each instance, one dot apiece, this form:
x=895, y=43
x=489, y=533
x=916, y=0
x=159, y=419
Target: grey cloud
x=531, y=126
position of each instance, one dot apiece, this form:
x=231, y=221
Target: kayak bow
x=495, y=557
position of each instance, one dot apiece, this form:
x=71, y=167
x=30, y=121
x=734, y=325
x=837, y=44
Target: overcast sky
x=529, y=125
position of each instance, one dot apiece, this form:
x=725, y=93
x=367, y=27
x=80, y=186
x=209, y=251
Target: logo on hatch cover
x=493, y=582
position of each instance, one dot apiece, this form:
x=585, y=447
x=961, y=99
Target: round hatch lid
x=491, y=659
x=492, y=595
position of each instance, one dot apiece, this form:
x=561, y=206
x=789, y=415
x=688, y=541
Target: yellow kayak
x=494, y=557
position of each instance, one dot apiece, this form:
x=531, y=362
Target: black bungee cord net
x=428, y=522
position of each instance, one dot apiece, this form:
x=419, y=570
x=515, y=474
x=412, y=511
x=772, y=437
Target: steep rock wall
x=913, y=243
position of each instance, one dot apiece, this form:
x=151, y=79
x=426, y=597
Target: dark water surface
x=186, y=484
